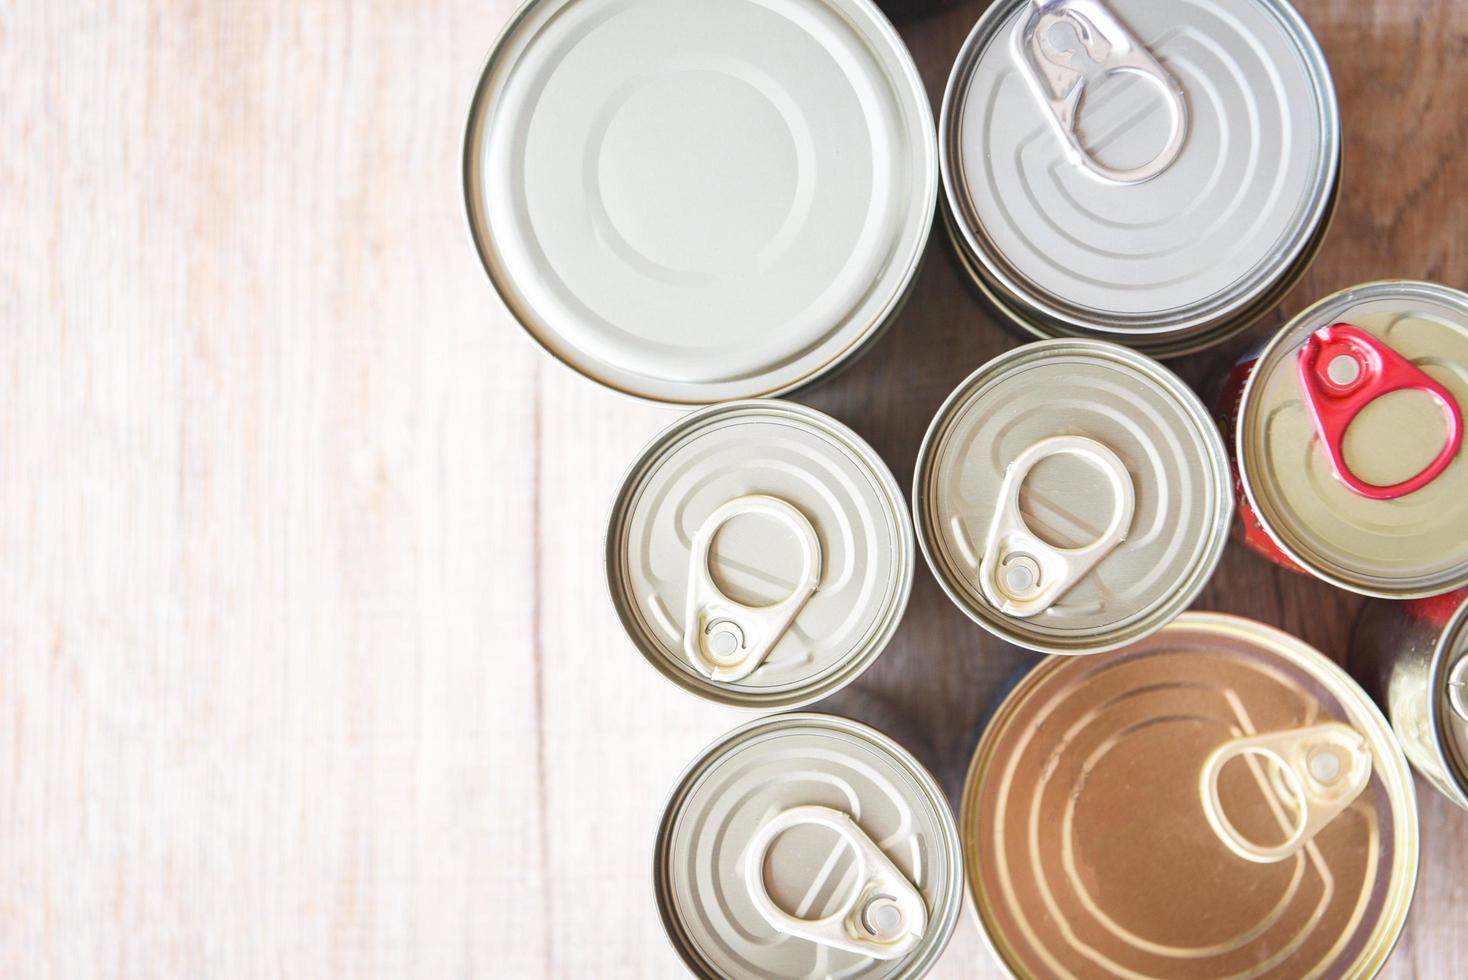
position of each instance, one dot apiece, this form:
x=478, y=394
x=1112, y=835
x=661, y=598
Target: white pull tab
x=728, y=640
x=885, y=915
x=1022, y=575
x=1316, y=772
x=1458, y=687
x=1063, y=46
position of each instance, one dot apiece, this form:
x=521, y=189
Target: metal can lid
x=1218, y=800
x=1072, y=496
x=1450, y=698
x=1234, y=99
x=1396, y=355
x=808, y=845
x=759, y=554
x=697, y=200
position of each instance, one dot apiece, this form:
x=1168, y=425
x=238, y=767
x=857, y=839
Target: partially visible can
x=807, y=845
x=1346, y=432
x=1219, y=800
x=1072, y=496
x=1155, y=174
x=1413, y=658
x=692, y=201
x=759, y=554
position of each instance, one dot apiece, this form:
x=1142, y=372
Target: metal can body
x=1072, y=496
x=1217, y=800
x=1113, y=169
x=1332, y=493
x=808, y=845
x=759, y=554
x=1413, y=658
x=693, y=201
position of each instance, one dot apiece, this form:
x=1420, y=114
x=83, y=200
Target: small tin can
x=1155, y=174
x=1413, y=658
x=1072, y=496
x=1346, y=431
x=807, y=845
x=759, y=554
x=1217, y=800
x=692, y=201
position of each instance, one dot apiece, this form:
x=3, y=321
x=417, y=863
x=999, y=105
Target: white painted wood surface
x=307, y=668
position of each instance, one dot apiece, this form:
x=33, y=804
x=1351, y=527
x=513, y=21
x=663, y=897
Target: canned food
x=1346, y=431
x=759, y=554
x=1217, y=800
x=1072, y=496
x=1413, y=658
x=1154, y=174
x=691, y=201
x=807, y=845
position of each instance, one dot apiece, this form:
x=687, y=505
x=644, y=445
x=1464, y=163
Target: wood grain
x=307, y=666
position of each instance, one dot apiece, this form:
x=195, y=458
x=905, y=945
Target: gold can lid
x=1217, y=800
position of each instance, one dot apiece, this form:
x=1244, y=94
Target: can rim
x=1274, y=349
x=1169, y=382
x=1406, y=841
x=854, y=664
x=1449, y=639
x=862, y=339
x=1203, y=315
x=723, y=744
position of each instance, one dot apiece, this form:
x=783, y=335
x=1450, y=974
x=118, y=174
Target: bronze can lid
x=1217, y=800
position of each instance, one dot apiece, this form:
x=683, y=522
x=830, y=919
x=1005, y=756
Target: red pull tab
x=1343, y=369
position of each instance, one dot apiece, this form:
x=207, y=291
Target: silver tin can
x=759, y=554
x=807, y=845
x=1072, y=496
x=1413, y=658
x=1219, y=800
x=692, y=201
x=1156, y=174
x=1347, y=434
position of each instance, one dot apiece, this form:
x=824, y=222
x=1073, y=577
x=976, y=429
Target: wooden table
x=307, y=666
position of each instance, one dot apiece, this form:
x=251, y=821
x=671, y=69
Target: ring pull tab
x=1458, y=688
x=884, y=917
x=727, y=640
x=1063, y=46
x=1024, y=576
x=1315, y=772
x=1343, y=369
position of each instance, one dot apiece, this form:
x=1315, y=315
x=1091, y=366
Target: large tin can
x=692, y=201
x=1346, y=430
x=759, y=554
x=1158, y=174
x=807, y=845
x=1072, y=496
x=1413, y=658
x=1217, y=800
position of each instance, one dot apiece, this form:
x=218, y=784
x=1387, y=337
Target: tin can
x=807, y=845
x=1413, y=658
x=692, y=201
x=1154, y=174
x=759, y=554
x=1346, y=431
x=1217, y=800
x=1072, y=496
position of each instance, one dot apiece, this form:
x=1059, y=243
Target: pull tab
x=1316, y=772
x=1458, y=688
x=885, y=915
x=1022, y=575
x=1343, y=369
x=1101, y=45
x=728, y=640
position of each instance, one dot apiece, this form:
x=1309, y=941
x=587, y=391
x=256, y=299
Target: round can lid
x=826, y=818
x=1091, y=815
x=697, y=200
x=1252, y=179
x=1450, y=693
x=737, y=510
x=1158, y=448
x=1415, y=544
